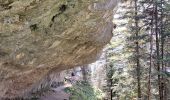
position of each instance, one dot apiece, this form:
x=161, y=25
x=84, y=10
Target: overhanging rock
x=38, y=36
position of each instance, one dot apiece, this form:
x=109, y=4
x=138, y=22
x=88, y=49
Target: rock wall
x=40, y=37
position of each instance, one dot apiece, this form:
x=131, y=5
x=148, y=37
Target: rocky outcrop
x=40, y=37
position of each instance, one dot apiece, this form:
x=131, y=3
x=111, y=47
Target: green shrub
x=84, y=91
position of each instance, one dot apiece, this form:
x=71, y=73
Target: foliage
x=84, y=91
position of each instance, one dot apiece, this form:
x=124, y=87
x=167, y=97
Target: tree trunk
x=150, y=57
x=137, y=51
x=157, y=51
x=84, y=73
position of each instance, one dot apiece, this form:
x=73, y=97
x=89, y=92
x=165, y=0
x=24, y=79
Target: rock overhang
x=37, y=36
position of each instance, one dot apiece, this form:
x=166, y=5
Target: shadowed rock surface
x=40, y=38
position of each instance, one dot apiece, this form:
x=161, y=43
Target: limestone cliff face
x=46, y=36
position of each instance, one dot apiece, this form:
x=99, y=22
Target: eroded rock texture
x=46, y=36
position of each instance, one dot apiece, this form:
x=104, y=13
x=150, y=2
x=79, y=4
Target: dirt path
x=57, y=94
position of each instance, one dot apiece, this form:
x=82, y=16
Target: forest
x=139, y=53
